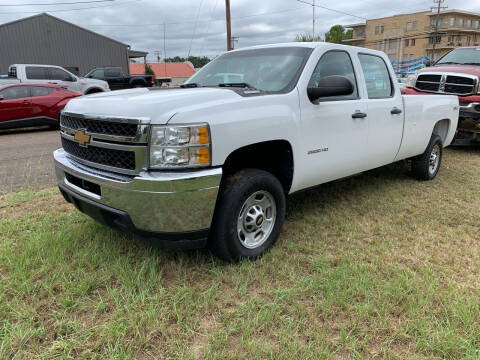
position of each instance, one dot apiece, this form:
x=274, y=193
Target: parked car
x=51, y=74
x=214, y=162
x=456, y=73
x=23, y=105
x=116, y=80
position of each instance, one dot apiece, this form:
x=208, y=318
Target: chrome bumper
x=473, y=108
x=156, y=202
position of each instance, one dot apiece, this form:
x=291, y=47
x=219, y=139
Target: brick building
x=410, y=36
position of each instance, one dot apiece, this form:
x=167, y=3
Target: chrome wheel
x=434, y=159
x=256, y=219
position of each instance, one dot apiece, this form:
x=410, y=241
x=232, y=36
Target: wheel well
x=275, y=157
x=441, y=129
x=93, y=91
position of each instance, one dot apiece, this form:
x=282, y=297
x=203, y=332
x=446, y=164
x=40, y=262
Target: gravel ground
x=26, y=160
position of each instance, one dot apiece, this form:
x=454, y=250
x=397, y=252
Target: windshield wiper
x=189, y=85
x=239, y=84
x=471, y=63
x=448, y=63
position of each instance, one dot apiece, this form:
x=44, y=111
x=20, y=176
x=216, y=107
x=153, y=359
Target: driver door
x=60, y=76
x=334, y=129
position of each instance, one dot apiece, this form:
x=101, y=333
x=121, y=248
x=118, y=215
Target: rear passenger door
x=37, y=74
x=41, y=100
x=334, y=130
x=115, y=78
x=385, y=110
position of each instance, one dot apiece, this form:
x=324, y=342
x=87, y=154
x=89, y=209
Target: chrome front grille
x=447, y=83
x=108, y=157
x=113, y=143
x=99, y=127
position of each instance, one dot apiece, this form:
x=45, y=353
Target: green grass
x=378, y=265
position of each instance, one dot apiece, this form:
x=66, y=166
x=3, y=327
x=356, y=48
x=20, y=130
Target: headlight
x=173, y=147
x=411, y=79
x=105, y=86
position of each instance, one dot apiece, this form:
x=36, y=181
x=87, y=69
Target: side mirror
x=329, y=86
x=428, y=63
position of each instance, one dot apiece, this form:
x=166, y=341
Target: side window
x=377, y=77
x=59, y=74
x=15, y=92
x=37, y=72
x=98, y=74
x=40, y=91
x=112, y=73
x=335, y=63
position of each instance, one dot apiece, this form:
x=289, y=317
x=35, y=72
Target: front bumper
x=173, y=207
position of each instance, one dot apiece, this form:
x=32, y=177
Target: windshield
x=470, y=56
x=266, y=69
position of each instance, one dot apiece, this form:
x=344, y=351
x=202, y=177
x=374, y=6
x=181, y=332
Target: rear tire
x=426, y=166
x=249, y=215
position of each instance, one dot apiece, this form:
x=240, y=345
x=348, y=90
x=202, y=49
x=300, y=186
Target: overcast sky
x=198, y=26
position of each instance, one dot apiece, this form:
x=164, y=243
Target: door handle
x=359, y=115
x=52, y=82
x=26, y=102
x=395, y=111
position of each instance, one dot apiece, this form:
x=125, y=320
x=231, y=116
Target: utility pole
x=313, y=20
x=165, y=48
x=157, y=55
x=437, y=18
x=229, y=25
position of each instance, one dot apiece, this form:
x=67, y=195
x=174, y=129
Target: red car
x=24, y=105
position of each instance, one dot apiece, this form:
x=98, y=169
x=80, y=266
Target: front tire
x=426, y=166
x=249, y=215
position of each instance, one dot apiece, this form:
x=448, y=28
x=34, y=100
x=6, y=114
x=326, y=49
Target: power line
x=60, y=3
x=195, y=28
x=201, y=21
x=67, y=10
x=330, y=9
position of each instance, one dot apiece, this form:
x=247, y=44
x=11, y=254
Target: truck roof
x=312, y=45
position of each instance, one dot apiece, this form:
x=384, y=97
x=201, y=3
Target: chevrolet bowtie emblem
x=82, y=138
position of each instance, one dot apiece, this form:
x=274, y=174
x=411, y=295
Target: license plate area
x=84, y=184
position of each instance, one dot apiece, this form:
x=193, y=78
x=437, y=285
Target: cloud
x=139, y=23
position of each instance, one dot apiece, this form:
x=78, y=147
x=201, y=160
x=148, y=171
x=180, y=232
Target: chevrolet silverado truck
x=456, y=73
x=116, y=80
x=211, y=163
x=51, y=74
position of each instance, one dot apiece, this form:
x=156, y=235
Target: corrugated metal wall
x=46, y=40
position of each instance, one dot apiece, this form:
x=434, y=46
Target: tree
x=197, y=61
x=308, y=38
x=337, y=34
x=148, y=70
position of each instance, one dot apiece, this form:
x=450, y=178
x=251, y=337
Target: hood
x=463, y=69
x=157, y=105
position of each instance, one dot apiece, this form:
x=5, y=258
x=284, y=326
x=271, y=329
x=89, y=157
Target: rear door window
x=15, y=92
x=377, y=76
x=109, y=73
x=40, y=91
x=37, y=72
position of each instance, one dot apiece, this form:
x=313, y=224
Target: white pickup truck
x=38, y=74
x=212, y=162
